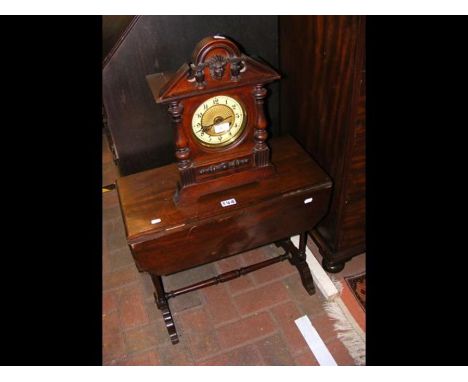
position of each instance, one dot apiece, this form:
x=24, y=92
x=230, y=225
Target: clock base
x=192, y=193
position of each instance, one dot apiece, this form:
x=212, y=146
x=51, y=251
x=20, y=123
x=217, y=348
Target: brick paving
x=247, y=321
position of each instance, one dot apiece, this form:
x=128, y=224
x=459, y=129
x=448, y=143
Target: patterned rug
x=357, y=284
x=347, y=309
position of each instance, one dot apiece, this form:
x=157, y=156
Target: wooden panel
x=353, y=226
x=323, y=106
x=232, y=232
x=356, y=174
x=317, y=62
x=140, y=129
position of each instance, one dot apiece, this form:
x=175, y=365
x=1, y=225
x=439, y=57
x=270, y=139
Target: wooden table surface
x=147, y=196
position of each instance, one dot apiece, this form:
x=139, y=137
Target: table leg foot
x=169, y=322
x=163, y=306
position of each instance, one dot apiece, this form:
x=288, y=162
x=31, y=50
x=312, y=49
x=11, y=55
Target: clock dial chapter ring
x=214, y=116
x=218, y=121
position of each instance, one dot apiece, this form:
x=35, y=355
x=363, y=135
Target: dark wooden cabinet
x=323, y=106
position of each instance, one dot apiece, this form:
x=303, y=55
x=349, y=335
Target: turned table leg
x=162, y=304
x=298, y=259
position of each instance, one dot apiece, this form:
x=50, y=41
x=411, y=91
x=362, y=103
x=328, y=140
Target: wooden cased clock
x=216, y=103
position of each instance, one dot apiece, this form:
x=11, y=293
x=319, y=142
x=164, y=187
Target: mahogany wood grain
x=215, y=232
x=323, y=107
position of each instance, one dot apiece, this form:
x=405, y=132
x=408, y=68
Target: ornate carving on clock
x=199, y=76
x=224, y=166
x=237, y=66
x=217, y=67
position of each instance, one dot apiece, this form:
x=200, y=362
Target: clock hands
x=218, y=120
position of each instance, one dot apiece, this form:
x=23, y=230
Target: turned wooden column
x=261, y=150
x=184, y=163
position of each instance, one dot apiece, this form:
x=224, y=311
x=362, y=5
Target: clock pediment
x=216, y=65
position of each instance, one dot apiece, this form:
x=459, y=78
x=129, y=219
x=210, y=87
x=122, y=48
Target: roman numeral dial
x=218, y=121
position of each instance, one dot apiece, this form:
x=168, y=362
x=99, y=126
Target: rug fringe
x=349, y=332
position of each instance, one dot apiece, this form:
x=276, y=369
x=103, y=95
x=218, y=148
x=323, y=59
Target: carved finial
x=236, y=67
x=200, y=76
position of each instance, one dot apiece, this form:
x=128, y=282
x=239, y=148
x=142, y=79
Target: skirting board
x=349, y=332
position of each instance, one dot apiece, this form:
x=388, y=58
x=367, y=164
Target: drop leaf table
x=165, y=238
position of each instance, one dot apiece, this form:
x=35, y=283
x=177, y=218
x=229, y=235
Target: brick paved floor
x=247, y=321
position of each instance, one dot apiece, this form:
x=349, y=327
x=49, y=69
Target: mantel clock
x=216, y=104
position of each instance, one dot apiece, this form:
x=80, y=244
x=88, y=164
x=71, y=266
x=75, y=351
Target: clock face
x=218, y=121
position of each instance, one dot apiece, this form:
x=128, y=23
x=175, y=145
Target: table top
x=146, y=198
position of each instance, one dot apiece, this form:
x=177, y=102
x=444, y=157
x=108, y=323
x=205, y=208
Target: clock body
x=217, y=105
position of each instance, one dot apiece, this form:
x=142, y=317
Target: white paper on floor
x=311, y=336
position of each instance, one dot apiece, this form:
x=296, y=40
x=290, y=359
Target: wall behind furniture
x=112, y=29
x=141, y=130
